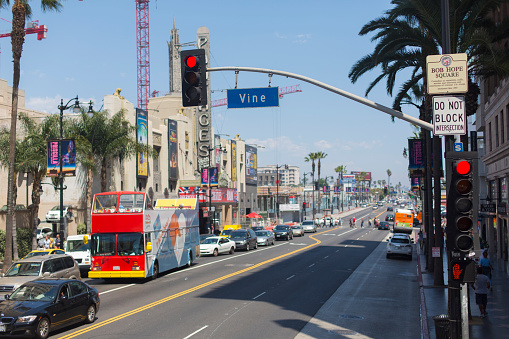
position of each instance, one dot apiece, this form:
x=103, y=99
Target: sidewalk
x=434, y=302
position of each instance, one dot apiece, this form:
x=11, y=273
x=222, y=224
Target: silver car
x=298, y=230
x=51, y=266
x=265, y=238
x=309, y=226
x=399, y=245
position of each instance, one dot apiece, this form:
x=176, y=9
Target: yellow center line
x=193, y=289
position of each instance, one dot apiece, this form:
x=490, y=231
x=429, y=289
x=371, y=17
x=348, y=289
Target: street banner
x=209, y=176
x=416, y=158
x=142, y=138
x=234, y=160
x=172, y=150
x=251, y=165
x=68, y=158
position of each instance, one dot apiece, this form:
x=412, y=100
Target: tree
x=20, y=11
x=319, y=157
x=389, y=173
x=311, y=157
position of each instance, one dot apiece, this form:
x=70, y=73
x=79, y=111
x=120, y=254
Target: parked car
x=36, y=308
x=45, y=267
x=216, y=245
x=44, y=230
x=265, y=238
x=399, y=245
x=298, y=230
x=53, y=214
x=384, y=225
x=36, y=253
x=309, y=226
x=244, y=239
x=18, y=207
x=283, y=232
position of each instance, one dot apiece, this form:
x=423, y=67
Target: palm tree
x=319, y=157
x=20, y=12
x=389, y=173
x=311, y=157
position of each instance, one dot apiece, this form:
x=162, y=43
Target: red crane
x=143, y=53
x=32, y=28
x=282, y=91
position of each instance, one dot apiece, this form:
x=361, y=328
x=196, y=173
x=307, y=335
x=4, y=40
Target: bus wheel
x=155, y=271
x=190, y=259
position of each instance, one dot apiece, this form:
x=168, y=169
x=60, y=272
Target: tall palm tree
x=389, y=173
x=311, y=157
x=20, y=12
x=319, y=157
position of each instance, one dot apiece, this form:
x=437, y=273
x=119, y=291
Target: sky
x=90, y=50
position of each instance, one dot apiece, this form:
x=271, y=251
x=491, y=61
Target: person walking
x=486, y=266
x=58, y=242
x=47, y=242
x=481, y=286
x=362, y=223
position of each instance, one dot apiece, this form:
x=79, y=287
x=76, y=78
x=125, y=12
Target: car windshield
x=226, y=232
x=24, y=269
x=77, y=246
x=34, y=254
x=262, y=233
x=295, y=227
x=400, y=241
x=210, y=241
x=307, y=223
x=238, y=235
x=36, y=292
x=280, y=228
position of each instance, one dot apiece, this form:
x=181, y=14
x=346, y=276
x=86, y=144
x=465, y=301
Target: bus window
x=130, y=203
x=103, y=244
x=105, y=203
x=130, y=244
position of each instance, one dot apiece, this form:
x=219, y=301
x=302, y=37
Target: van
x=76, y=247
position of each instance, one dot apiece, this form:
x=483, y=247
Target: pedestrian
x=351, y=223
x=369, y=222
x=481, y=286
x=420, y=239
x=40, y=243
x=486, y=266
x=362, y=223
x=58, y=243
x=47, y=242
x=51, y=243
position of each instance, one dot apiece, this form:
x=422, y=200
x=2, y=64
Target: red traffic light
x=191, y=61
x=463, y=167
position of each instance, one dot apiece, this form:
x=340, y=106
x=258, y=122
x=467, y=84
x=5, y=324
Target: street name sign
x=447, y=73
x=449, y=115
x=253, y=97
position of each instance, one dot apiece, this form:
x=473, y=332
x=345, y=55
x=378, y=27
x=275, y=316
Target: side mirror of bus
x=149, y=247
x=85, y=239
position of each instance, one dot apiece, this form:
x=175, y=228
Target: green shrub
x=81, y=228
x=24, y=236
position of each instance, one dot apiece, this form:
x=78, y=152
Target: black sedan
x=283, y=232
x=38, y=307
x=384, y=225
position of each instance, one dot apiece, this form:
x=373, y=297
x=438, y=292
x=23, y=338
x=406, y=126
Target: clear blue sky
x=90, y=50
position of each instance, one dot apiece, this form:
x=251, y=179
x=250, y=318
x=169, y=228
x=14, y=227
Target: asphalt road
x=269, y=292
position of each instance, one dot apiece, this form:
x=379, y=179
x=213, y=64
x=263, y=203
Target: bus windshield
x=106, y=244
x=105, y=203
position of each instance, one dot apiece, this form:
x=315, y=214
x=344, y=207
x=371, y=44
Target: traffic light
x=385, y=189
x=303, y=206
x=462, y=198
x=194, y=78
x=462, y=270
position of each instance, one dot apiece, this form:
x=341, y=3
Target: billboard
x=217, y=150
x=234, y=160
x=209, y=175
x=349, y=179
x=251, y=165
x=142, y=138
x=68, y=158
x=416, y=158
x=172, y=150
x=367, y=176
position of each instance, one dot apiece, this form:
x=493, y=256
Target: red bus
x=130, y=239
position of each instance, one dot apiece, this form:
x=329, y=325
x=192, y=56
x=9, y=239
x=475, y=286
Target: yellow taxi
x=44, y=252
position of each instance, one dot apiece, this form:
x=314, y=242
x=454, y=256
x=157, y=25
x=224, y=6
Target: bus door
x=149, y=255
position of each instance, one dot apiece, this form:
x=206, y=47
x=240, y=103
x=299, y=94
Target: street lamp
x=304, y=193
x=62, y=108
x=210, y=149
x=277, y=189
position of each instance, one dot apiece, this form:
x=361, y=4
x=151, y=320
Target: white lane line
x=311, y=265
x=259, y=295
x=201, y=329
x=116, y=289
x=290, y=277
x=326, y=257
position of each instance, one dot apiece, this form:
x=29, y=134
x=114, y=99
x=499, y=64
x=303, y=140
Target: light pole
x=304, y=193
x=277, y=188
x=209, y=172
x=62, y=108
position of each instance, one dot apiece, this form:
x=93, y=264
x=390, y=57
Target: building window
x=156, y=158
x=502, y=132
x=507, y=119
x=496, y=131
x=490, y=132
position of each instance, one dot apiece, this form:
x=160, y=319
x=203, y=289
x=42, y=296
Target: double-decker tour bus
x=130, y=239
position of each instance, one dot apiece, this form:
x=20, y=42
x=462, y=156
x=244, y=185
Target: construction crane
x=282, y=91
x=32, y=28
x=143, y=53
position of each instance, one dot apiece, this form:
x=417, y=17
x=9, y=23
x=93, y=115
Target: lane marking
x=188, y=291
x=311, y=265
x=201, y=329
x=326, y=257
x=116, y=289
x=259, y=295
x=290, y=277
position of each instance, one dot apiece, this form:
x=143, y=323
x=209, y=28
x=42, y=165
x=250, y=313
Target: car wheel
x=216, y=252
x=247, y=247
x=256, y=246
x=232, y=250
x=155, y=271
x=90, y=316
x=43, y=328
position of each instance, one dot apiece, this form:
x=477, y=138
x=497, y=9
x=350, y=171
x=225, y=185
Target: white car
x=53, y=216
x=400, y=244
x=309, y=226
x=215, y=245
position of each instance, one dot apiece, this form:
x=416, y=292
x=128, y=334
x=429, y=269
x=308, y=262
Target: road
x=269, y=292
